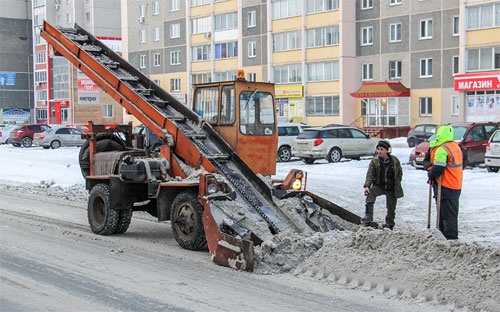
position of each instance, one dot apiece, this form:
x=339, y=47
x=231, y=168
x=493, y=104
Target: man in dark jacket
x=383, y=178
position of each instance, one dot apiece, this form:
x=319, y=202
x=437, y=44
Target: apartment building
x=16, y=62
x=63, y=94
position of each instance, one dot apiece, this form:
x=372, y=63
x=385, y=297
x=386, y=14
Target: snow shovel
x=438, y=203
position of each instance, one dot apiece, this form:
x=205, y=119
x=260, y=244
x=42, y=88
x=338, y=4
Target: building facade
x=16, y=62
x=63, y=94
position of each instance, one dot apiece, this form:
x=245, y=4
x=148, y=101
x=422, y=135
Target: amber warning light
x=240, y=75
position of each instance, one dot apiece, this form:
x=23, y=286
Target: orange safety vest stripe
x=453, y=172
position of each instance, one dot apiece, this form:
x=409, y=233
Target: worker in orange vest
x=446, y=159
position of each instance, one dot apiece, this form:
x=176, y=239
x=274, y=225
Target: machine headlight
x=212, y=188
x=297, y=184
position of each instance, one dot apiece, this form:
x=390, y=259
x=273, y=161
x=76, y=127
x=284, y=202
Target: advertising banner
x=16, y=115
x=88, y=91
x=7, y=79
x=293, y=91
x=477, y=82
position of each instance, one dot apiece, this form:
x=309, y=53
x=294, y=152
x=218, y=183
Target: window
x=156, y=7
x=226, y=50
x=175, y=30
x=425, y=68
x=199, y=2
x=201, y=25
x=477, y=134
x=321, y=37
x=318, y=6
x=366, y=36
x=206, y=103
x=252, y=19
x=228, y=105
x=41, y=76
x=483, y=58
x=394, y=69
x=456, y=25
x=456, y=65
x=156, y=59
x=225, y=76
x=59, y=20
x=200, y=53
x=322, y=105
x=107, y=111
x=425, y=29
x=156, y=33
x=287, y=73
x=142, y=10
x=157, y=81
x=142, y=61
x=87, y=17
x=366, y=4
x=252, y=76
x=395, y=32
x=286, y=8
x=174, y=5
x=41, y=57
x=455, y=105
x=68, y=18
x=226, y=21
x=41, y=113
x=367, y=72
x=287, y=41
x=201, y=78
x=394, y=2
x=142, y=36
x=323, y=71
x=425, y=106
x=252, y=49
x=175, y=57
x=483, y=16
x=38, y=19
x=257, y=113
x=175, y=84
x=41, y=95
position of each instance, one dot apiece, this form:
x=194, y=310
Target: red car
x=472, y=138
x=23, y=134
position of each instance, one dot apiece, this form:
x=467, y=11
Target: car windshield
x=309, y=134
x=458, y=134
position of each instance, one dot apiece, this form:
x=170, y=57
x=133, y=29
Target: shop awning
x=381, y=89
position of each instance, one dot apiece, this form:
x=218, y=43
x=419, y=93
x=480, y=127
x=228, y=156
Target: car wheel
x=16, y=144
x=186, y=220
x=492, y=169
x=284, y=154
x=411, y=142
x=55, y=144
x=334, y=155
x=27, y=141
x=46, y=147
x=308, y=161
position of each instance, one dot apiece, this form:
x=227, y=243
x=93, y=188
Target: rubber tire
x=124, y=218
x=55, y=144
x=27, y=141
x=308, y=161
x=106, y=142
x=193, y=237
x=46, y=147
x=16, y=144
x=492, y=169
x=335, y=155
x=284, y=154
x=102, y=219
x=411, y=142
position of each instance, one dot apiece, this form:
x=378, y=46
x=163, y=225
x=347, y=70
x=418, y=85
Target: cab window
x=206, y=104
x=228, y=105
x=256, y=113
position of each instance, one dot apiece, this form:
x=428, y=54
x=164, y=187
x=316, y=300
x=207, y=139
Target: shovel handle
x=438, y=203
x=429, y=208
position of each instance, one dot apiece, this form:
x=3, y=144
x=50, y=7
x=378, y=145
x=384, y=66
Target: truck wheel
x=284, y=154
x=106, y=142
x=186, y=219
x=27, y=141
x=124, y=218
x=102, y=218
x=334, y=155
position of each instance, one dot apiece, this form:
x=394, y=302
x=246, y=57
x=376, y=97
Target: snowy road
x=49, y=260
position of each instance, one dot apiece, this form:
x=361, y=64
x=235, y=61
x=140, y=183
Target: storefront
x=482, y=95
x=289, y=103
x=385, y=108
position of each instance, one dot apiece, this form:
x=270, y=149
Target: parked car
x=150, y=138
x=82, y=128
x=55, y=138
x=472, y=138
x=492, y=155
x=333, y=143
x=420, y=133
x=5, y=132
x=23, y=134
x=287, y=132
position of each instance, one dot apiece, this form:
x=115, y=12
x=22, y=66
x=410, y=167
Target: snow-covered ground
x=341, y=183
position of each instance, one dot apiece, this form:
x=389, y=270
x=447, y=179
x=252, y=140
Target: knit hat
x=384, y=144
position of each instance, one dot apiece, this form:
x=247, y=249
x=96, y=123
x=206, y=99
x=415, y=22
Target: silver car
x=333, y=143
x=55, y=138
x=492, y=155
x=5, y=132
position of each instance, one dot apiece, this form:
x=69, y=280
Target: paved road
x=49, y=260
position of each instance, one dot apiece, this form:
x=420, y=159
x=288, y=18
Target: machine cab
x=243, y=113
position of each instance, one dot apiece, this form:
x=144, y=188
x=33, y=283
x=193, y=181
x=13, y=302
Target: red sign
x=476, y=82
x=85, y=84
